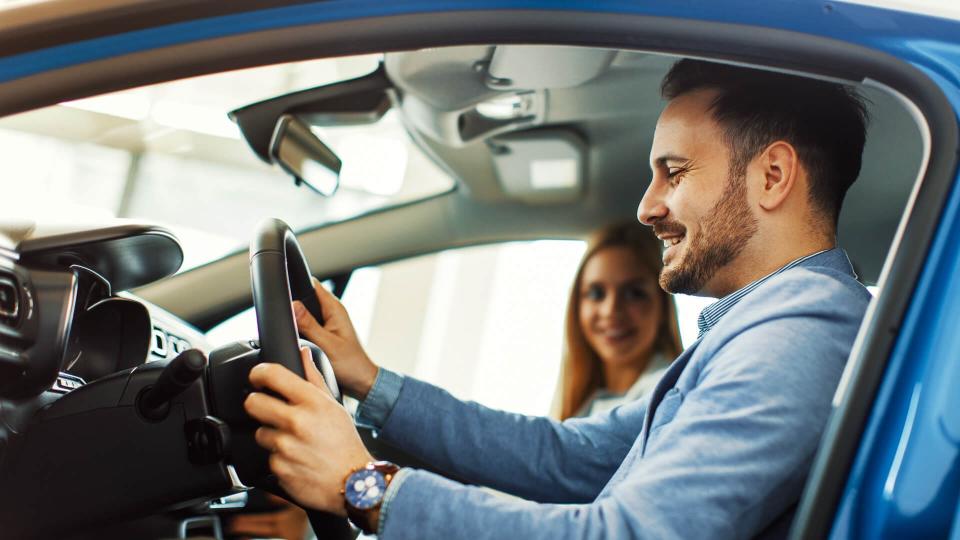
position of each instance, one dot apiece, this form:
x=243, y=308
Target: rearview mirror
x=304, y=156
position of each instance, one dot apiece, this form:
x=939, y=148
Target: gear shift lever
x=154, y=402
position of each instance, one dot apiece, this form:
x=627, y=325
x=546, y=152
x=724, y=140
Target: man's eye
x=675, y=174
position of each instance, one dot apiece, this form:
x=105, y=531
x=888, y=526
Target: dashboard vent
x=9, y=300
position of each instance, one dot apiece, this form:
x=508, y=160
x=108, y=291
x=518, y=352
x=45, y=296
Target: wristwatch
x=363, y=492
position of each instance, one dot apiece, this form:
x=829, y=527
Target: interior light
x=507, y=107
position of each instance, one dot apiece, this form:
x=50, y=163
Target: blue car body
x=902, y=478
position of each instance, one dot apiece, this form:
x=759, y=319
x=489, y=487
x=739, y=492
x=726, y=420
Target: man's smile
x=671, y=241
x=670, y=245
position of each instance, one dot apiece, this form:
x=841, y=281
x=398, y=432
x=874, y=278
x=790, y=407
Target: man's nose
x=652, y=207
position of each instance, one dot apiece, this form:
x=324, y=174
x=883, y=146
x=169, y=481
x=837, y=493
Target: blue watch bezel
x=359, y=498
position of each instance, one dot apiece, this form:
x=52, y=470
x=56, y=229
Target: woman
x=621, y=327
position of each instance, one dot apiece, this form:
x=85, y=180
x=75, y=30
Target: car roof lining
x=619, y=126
x=750, y=45
x=454, y=220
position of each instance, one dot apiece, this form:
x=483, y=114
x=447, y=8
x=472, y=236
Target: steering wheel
x=279, y=274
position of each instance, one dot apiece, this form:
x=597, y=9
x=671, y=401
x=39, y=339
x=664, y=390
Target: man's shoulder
x=804, y=291
x=797, y=325
x=811, y=309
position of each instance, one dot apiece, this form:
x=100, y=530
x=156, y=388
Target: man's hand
x=312, y=442
x=355, y=372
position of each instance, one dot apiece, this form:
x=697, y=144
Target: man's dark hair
x=825, y=122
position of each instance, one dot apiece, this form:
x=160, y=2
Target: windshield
x=168, y=154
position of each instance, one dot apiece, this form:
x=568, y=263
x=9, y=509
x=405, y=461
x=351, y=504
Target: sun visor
x=541, y=167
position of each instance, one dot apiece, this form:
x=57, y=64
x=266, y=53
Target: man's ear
x=780, y=169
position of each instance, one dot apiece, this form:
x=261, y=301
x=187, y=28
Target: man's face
x=694, y=205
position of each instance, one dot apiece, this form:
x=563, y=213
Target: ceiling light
x=507, y=107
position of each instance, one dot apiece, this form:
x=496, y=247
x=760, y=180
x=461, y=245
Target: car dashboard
x=77, y=356
x=61, y=321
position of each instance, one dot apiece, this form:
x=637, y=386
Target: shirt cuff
x=376, y=407
x=392, y=489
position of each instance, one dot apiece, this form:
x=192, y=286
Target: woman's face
x=620, y=306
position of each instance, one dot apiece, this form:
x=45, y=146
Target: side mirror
x=304, y=156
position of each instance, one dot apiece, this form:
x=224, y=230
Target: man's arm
x=572, y=460
x=532, y=457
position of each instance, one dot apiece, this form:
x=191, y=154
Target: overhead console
x=495, y=89
x=524, y=122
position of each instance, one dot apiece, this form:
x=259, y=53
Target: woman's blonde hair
x=582, y=372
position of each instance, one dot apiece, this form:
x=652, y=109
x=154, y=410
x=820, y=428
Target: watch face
x=364, y=489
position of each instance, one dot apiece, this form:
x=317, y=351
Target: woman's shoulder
x=602, y=400
x=650, y=377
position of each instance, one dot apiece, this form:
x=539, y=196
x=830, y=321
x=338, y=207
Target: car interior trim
x=30, y=27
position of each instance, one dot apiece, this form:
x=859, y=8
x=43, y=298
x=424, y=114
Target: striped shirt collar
x=712, y=314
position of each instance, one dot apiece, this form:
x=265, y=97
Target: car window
x=484, y=322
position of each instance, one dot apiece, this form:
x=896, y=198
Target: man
x=749, y=173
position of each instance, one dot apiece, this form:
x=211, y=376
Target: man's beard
x=722, y=235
